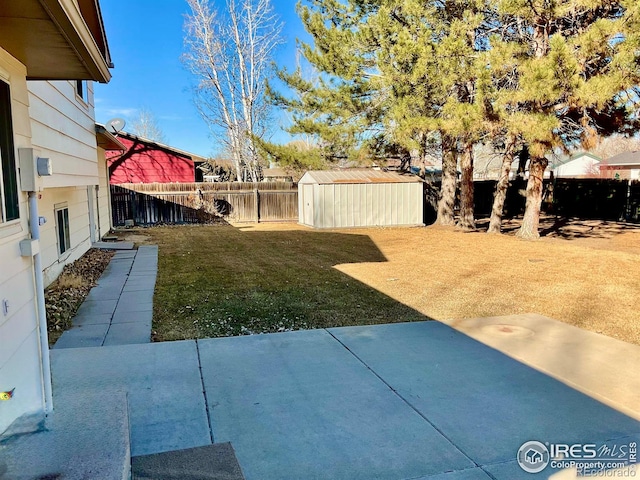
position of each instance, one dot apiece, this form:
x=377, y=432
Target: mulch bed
x=65, y=295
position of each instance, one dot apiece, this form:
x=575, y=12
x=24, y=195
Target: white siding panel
x=75, y=128
x=63, y=129
x=419, y=196
x=23, y=372
x=75, y=199
x=20, y=363
x=309, y=203
x=103, y=196
x=302, y=211
x=328, y=207
x=387, y=203
x=338, y=206
x=393, y=210
x=354, y=206
x=368, y=197
x=60, y=96
x=367, y=201
x=16, y=329
x=317, y=208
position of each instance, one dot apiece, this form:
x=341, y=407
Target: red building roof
x=145, y=161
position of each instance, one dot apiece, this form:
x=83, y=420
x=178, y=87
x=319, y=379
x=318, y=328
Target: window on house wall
x=9, y=189
x=62, y=228
x=82, y=91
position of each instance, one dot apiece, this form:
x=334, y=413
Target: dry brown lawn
x=592, y=282
x=583, y=273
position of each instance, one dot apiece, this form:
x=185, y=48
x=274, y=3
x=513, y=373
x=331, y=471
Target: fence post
x=256, y=196
x=134, y=209
x=627, y=207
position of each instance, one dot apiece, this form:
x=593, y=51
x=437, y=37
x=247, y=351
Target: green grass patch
x=216, y=281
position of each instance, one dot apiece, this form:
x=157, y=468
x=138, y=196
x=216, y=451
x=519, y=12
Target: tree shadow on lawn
x=220, y=281
x=569, y=228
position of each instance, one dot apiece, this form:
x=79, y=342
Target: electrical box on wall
x=32, y=168
x=43, y=166
x=29, y=181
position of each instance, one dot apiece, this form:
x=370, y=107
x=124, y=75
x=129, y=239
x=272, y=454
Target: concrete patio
x=398, y=401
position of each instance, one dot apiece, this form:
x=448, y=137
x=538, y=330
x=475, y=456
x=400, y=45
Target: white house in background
x=50, y=169
x=580, y=165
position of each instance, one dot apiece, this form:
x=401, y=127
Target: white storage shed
x=360, y=198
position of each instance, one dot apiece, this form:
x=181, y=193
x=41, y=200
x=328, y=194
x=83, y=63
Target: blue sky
x=146, y=40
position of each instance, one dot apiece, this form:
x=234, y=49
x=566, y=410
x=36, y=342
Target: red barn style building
x=146, y=161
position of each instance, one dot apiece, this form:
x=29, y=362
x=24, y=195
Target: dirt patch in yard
x=217, y=281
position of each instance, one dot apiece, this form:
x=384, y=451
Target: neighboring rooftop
x=624, y=159
x=557, y=161
x=162, y=146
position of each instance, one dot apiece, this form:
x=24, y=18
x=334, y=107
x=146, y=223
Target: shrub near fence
x=149, y=204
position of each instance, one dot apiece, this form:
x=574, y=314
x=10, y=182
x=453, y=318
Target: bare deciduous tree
x=230, y=54
x=146, y=125
x=616, y=144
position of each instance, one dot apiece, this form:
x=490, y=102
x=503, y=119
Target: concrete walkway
x=399, y=401
x=119, y=309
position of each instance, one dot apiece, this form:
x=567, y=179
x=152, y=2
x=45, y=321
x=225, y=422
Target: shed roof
x=624, y=159
x=324, y=177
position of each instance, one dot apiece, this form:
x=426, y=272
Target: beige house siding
x=103, y=214
x=75, y=199
x=63, y=129
x=20, y=357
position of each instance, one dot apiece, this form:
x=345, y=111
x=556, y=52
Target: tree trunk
x=466, y=221
x=529, y=228
x=495, y=222
x=449, y=180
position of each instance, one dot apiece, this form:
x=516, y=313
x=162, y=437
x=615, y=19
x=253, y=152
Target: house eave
x=53, y=39
x=106, y=140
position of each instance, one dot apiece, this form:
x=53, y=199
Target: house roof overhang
x=108, y=141
x=56, y=39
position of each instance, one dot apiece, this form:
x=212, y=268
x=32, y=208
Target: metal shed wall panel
x=335, y=199
x=352, y=205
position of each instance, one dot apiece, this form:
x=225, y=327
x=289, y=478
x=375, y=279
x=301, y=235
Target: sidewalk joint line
x=403, y=399
x=104, y=339
x=204, y=394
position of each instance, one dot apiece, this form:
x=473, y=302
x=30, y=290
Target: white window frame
x=82, y=91
x=3, y=211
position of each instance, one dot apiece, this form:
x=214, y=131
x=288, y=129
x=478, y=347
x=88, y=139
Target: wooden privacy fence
x=589, y=198
x=150, y=204
x=154, y=203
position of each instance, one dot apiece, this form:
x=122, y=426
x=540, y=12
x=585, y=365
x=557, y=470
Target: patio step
x=212, y=462
x=85, y=437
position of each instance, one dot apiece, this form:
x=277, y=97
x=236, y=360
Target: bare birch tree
x=230, y=53
x=146, y=125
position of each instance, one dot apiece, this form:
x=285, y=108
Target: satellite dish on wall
x=115, y=125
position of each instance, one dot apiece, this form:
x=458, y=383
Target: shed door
x=308, y=204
